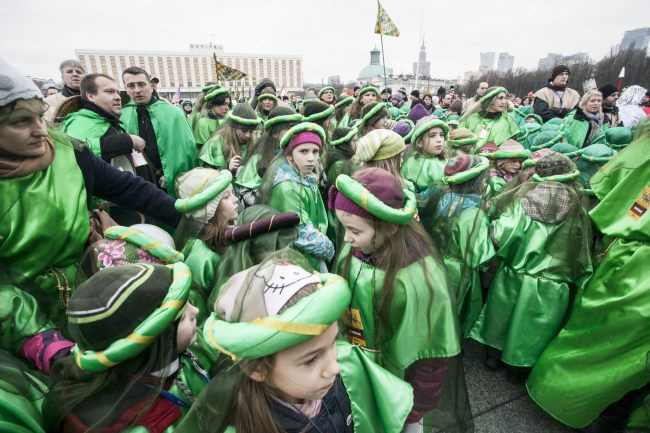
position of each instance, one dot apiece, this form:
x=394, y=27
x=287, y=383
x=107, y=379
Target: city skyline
x=337, y=47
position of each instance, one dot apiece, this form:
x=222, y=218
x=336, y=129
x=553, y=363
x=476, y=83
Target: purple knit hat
x=417, y=113
x=379, y=183
x=302, y=138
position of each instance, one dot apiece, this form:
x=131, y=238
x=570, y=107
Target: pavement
x=499, y=406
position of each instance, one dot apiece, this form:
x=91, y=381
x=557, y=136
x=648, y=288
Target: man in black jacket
x=556, y=99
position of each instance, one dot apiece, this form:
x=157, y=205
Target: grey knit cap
x=14, y=85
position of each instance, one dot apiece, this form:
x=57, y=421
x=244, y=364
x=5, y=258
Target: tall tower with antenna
x=422, y=68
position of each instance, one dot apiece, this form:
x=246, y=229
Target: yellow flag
x=384, y=25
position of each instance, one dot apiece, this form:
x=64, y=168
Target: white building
x=487, y=61
x=637, y=39
x=191, y=70
x=506, y=60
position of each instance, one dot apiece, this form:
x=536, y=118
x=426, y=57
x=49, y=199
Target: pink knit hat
x=302, y=138
x=379, y=183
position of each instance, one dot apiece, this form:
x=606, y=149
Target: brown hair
x=214, y=232
x=89, y=84
x=231, y=143
x=391, y=165
x=252, y=412
x=391, y=258
x=419, y=148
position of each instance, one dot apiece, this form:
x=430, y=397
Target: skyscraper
x=637, y=39
x=487, y=61
x=505, y=62
x=422, y=68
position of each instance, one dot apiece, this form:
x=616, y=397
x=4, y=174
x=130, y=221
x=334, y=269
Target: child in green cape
x=425, y=160
x=401, y=308
x=291, y=185
x=129, y=368
x=278, y=323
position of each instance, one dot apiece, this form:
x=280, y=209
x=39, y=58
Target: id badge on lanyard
x=355, y=333
x=485, y=131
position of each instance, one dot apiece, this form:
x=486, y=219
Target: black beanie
x=558, y=70
x=607, y=90
x=415, y=93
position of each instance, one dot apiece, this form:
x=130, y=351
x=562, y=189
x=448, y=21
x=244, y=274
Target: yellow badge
x=641, y=204
x=355, y=327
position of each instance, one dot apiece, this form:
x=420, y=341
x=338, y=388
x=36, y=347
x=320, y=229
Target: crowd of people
x=313, y=264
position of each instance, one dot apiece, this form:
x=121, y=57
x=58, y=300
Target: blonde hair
x=587, y=97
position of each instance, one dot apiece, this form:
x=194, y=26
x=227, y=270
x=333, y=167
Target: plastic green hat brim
x=209, y=87
x=144, y=334
x=214, y=93
x=162, y=252
x=529, y=163
x=325, y=89
x=373, y=111
x=435, y=123
x=243, y=121
x=282, y=119
x=469, y=174
x=507, y=154
x=561, y=178
x=597, y=159
x=463, y=142
x=320, y=116
x=549, y=143
x=367, y=89
x=492, y=94
x=311, y=316
x=408, y=136
x=270, y=96
x=217, y=183
x=302, y=127
x=344, y=101
x=367, y=201
x=345, y=139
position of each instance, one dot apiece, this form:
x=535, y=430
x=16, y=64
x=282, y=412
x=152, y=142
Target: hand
x=162, y=183
x=234, y=163
x=138, y=143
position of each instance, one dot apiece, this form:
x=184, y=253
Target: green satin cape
x=87, y=126
x=204, y=129
x=422, y=171
x=414, y=331
x=602, y=353
x=531, y=292
x=501, y=128
x=248, y=177
x=44, y=224
x=21, y=399
x=174, y=138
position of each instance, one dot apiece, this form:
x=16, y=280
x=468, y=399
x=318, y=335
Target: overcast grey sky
x=334, y=37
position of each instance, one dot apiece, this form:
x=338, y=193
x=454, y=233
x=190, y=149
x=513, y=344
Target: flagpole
x=383, y=59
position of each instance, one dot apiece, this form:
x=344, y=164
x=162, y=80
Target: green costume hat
x=163, y=252
x=280, y=115
x=468, y=170
x=119, y=312
x=214, y=93
x=462, y=137
x=555, y=167
x=394, y=112
x=510, y=149
x=317, y=110
x=199, y=192
x=302, y=127
x=362, y=197
x=598, y=153
x=453, y=117
x=210, y=87
x=440, y=114
x=346, y=138
x=366, y=89
x=618, y=137
x=379, y=144
x=345, y=101
x=435, y=123
x=537, y=117
x=564, y=148
x=325, y=89
x=490, y=95
x=243, y=116
x=250, y=322
x=371, y=111
x=270, y=96
x=546, y=139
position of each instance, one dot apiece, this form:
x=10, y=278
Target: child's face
x=511, y=166
x=306, y=371
x=368, y=98
x=434, y=142
x=359, y=232
x=186, y=332
x=228, y=205
x=304, y=158
x=267, y=104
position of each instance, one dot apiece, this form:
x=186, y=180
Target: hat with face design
x=264, y=309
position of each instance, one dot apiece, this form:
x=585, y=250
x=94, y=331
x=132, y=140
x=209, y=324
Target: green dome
x=372, y=71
